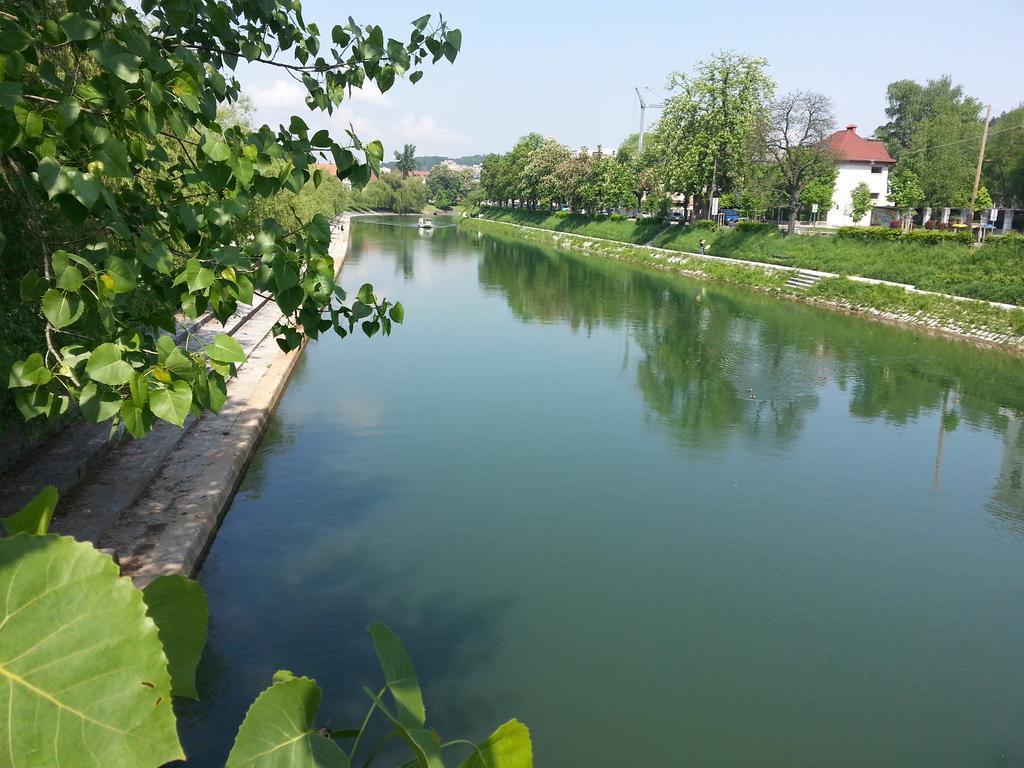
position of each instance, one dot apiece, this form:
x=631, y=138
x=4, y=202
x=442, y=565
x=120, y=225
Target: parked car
x=674, y=216
x=731, y=217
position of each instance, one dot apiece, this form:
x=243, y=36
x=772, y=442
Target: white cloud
x=281, y=94
x=370, y=95
x=425, y=130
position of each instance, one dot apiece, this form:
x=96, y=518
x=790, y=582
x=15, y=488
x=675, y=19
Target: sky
x=569, y=70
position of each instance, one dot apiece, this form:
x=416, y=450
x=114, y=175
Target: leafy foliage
x=405, y=161
x=708, y=125
x=139, y=192
x=934, y=130
x=89, y=663
x=905, y=191
x=800, y=123
x=860, y=201
x=446, y=186
x=96, y=692
x=178, y=607
x=1003, y=171
x=279, y=729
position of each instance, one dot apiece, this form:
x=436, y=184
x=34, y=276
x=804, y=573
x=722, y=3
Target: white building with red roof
x=858, y=159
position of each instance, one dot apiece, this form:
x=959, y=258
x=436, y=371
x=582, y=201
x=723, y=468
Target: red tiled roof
x=853, y=149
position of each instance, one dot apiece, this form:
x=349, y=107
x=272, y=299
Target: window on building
x=874, y=195
x=876, y=169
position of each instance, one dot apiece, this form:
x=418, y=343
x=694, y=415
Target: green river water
x=662, y=522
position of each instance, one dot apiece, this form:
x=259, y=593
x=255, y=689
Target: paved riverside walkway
x=156, y=503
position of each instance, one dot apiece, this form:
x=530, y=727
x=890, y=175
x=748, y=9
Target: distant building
x=858, y=160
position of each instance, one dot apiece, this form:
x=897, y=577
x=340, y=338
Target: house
x=857, y=160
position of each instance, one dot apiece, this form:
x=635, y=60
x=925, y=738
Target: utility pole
x=977, y=173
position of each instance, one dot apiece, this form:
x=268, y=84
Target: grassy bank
x=994, y=272
x=623, y=230
x=888, y=302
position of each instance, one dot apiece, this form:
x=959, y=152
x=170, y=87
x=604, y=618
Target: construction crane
x=643, y=110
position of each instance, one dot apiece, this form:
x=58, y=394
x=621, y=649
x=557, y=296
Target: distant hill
x=426, y=162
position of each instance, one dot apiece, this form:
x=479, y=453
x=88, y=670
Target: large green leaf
x=399, y=676
x=172, y=403
x=83, y=678
x=507, y=747
x=76, y=27
x=196, y=276
x=279, y=732
x=178, y=606
x=106, y=366
x=34, y=517
x=62, y=309
x=31, y=371
x=98, y=403
x=66, y=274
x=224, y=349
x=424, y=743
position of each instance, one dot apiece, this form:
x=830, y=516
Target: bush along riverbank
x=977, y=320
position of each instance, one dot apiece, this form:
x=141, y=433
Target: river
x=662, y=522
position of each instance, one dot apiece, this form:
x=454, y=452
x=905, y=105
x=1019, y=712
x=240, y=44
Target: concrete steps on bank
x=74, y=457
x=802, y=279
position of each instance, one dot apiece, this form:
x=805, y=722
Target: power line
x=961, y=141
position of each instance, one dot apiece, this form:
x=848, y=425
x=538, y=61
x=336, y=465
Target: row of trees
x=721, y=134
x=724, y=132
x=540, y=173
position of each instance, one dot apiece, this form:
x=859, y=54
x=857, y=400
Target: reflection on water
x=661, y=521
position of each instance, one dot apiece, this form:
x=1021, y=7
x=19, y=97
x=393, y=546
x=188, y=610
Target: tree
x=906, y=194
x=643, y=168
x=393, y=180
x=512, y=169
x=133, y=192
x=411, y=197
x=492, y=179
x=860, y=201
x=800, y=123
x=705, y=128
x=1003, y=171
x=572, y=174
x=446, y=186
x=758, y=189
x=540, y=173
x=821, y=189
x=377, y=195
x=934, y=130
x=405, y=161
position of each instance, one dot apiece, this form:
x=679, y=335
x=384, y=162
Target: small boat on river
x=424, y=223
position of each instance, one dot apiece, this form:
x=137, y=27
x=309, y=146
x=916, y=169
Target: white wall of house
x=850, y=175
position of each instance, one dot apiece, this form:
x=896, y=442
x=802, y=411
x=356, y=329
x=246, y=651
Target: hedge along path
x=164, y=520
x=949, y=314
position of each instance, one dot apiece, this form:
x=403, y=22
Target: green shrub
x=760, y=227
x=705, y=224
x=916, y=235
x=616, y=217
x=562, y=214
